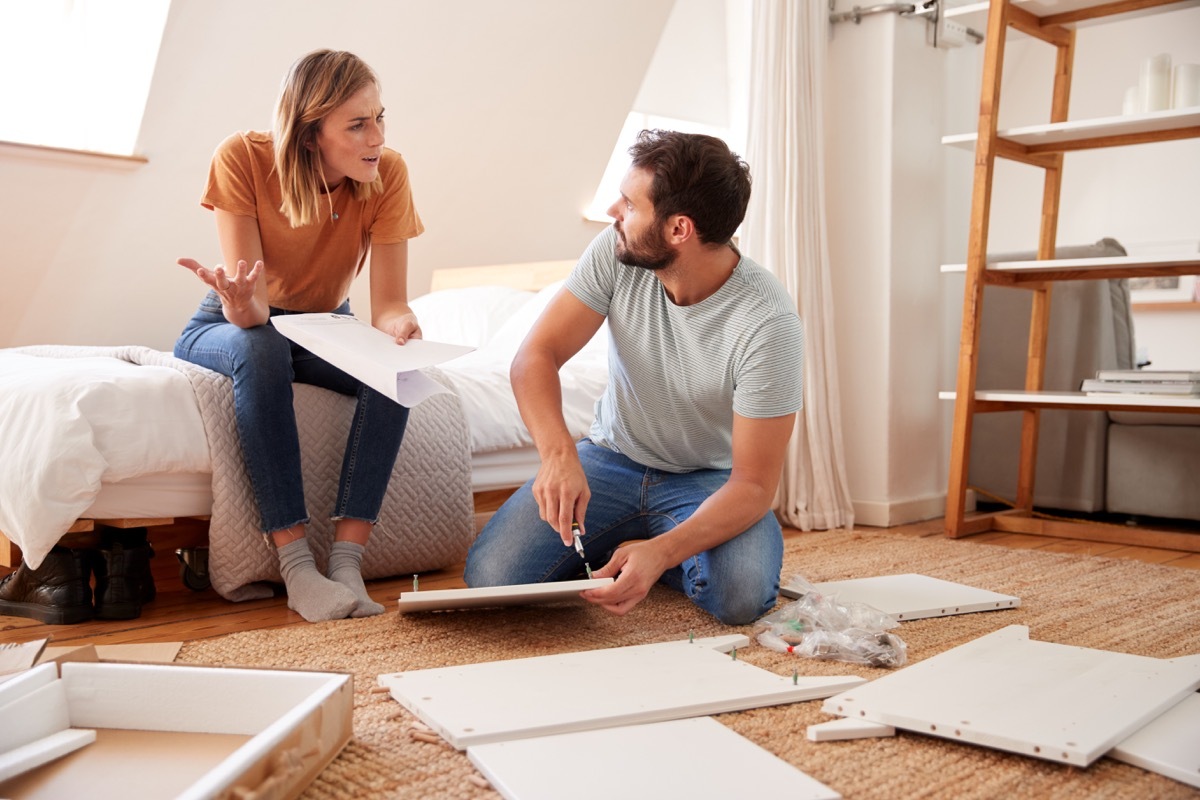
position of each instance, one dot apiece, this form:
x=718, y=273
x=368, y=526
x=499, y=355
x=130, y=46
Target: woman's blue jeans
x=263, y=365
x=736, y=582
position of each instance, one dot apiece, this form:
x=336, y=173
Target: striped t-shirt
x=677, y=374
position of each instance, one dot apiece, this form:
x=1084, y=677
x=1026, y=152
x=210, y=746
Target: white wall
x=506, y=113
x=884, y=188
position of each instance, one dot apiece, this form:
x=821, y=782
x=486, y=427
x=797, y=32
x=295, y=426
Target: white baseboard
x=899, y=512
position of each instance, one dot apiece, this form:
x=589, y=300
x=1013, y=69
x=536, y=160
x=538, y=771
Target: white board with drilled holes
x=1053, y=701
x=913, y=596
x=518, y=698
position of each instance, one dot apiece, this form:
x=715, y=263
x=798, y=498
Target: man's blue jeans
x=736, y=582
x=263, y=365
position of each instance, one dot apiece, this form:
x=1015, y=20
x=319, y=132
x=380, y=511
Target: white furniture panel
x=912, y=596
x=837, y=730
x=652, y=761
x=1170, y=745
x=493, y=596
x=519, y=698
x=1003, y=690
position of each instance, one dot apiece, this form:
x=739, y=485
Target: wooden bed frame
x=529, y=276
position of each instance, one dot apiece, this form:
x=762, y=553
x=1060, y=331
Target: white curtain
x=785, y=232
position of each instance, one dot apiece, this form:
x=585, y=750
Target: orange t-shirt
x=309, y=268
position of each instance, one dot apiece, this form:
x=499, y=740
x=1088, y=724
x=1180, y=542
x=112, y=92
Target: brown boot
x=56, y=593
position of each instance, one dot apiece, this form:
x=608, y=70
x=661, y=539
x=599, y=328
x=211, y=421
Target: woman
x=304, y=204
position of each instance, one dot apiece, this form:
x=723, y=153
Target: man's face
x=641, y=241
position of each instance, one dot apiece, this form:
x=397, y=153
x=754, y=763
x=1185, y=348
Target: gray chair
x=1117, y=462
x=1091, y=328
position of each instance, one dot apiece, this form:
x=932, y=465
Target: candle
x=1154, y=87
x=1133, y=103
x=1186, y=93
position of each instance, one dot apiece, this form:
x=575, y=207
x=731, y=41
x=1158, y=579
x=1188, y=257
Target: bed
x=129, y=436
x=491, y=309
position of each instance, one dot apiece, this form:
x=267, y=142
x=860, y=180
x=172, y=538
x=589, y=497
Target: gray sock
x=311, y=594
x=345, y=567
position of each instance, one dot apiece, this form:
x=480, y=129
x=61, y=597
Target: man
x=705, y=364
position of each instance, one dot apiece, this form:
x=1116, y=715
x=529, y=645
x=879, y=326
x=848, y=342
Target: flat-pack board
x=497, y=596
x=104, y=730
x=697, y=758
x=518, y=698
x=912, y=596
x=1003, y=690
x=1169, y=745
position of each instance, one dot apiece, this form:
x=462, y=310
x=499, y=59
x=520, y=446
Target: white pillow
x=506, y=340
x=505, y=343
x=470, y=316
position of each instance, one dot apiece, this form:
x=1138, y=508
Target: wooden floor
x=180, y=614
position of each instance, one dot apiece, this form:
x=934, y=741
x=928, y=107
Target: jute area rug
x=1101, y=603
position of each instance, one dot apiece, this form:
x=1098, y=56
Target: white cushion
x=469, y=316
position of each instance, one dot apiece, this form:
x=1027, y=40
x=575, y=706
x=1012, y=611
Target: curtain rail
x=858, y=12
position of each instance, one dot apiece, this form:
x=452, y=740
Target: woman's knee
x=262, y=344
x=261, y=354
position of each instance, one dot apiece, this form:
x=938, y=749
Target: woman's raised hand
x=236, y=291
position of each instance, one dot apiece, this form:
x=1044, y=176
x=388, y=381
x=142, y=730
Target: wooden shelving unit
x=1043, y=146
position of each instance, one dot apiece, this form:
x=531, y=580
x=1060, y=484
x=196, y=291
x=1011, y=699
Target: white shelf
x=1079, y=399
x=1188, y=260
x=974, y=15
x=1056, y=133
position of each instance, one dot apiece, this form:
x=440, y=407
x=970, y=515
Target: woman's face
x=350, y=139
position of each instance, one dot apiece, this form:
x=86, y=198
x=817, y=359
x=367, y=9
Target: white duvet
x=495, y=320
x=69, y=424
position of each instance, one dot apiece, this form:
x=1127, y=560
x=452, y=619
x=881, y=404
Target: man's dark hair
x=697, y=176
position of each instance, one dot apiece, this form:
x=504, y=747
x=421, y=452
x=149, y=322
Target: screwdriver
x=579, y=547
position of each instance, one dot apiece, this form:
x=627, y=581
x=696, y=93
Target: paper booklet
x=1148, y=375
x=1181, y=388
x=371, y=355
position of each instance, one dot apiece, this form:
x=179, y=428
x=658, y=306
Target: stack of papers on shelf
x=1179, y=383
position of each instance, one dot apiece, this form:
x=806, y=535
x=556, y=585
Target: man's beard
x=650, y=252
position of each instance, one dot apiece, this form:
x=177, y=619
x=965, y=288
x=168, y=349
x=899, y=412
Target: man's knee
x=495, y=557
x=483, y=571
x=739, y=581
x=739, y=607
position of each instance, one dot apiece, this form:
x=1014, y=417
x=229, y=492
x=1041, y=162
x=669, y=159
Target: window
x=618, y=163
x=697, y=82
x=77, y=72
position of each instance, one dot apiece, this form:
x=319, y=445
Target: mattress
x=155, y=495
x=189, y=494
x=503, y=469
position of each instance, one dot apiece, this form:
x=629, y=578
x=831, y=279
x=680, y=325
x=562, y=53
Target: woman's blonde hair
x=315, y=85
